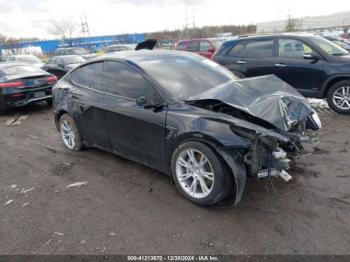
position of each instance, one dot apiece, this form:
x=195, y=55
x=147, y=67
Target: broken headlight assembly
x=265, y=157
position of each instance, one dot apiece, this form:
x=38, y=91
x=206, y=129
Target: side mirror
x=141, y=101
x=312, y=57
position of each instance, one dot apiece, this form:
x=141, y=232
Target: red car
x=202, y=47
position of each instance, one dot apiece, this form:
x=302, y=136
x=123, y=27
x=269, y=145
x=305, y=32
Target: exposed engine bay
x=279, y=109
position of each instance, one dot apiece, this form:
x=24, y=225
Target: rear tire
x=204, y=181
x=338, y=97
x=70, y=133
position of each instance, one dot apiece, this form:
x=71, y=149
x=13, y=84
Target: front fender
x=238, y=171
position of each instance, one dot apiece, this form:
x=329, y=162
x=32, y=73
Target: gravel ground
x=126, y=208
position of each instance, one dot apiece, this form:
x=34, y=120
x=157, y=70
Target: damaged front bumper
x=269, y=157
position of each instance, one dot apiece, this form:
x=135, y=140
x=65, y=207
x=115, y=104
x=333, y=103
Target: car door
x=298, y=70
x=193, y=47
x=87, y=102
x=251, y=57
x=136, y=132
x=259, y=57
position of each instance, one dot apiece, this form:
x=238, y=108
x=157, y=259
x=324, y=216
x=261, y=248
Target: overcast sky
x=31, y=18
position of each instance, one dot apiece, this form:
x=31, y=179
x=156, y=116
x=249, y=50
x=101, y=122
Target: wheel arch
x=58, y=115
x=233, y=162
x=331, y=81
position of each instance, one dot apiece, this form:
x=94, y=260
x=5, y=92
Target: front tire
x=338, y=97
x=199, y=174
x=70, y=133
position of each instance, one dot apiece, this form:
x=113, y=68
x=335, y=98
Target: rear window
x=21, y=69
x=89, y=76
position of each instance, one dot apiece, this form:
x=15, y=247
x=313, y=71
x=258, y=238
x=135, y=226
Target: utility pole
x=85, y=27
x=190, y=22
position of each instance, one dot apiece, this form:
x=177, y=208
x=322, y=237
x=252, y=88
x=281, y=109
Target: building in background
x=334, y=22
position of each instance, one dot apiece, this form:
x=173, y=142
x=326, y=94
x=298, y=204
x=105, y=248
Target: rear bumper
x=24, y=98
x=32, y=100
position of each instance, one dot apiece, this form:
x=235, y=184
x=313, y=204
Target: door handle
x=241, y=62
x=280, y=65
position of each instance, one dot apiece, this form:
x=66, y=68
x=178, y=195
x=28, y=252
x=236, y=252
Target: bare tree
x=65, y=29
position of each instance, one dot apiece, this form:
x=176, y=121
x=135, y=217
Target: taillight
x=12, y=84
x=51, y=79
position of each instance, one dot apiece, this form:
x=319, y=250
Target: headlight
x=317, y=120
x=314, y=121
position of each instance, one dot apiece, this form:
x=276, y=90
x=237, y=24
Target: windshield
x=73, y=60
x=342, y=44
x=21, y=70
x=329, y=47
x=186, y=76
x=29, y=59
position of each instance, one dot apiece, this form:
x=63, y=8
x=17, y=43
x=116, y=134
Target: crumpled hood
x=267, y=97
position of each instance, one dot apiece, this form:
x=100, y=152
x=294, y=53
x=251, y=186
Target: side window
x=292, y=49
x=89, y=76
x=123, y=81
x=181, y=46
x=237, y=50
x=204, y=46
x=193, y=46
x=262, y=48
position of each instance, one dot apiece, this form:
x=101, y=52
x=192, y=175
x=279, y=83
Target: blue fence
x=94, y=42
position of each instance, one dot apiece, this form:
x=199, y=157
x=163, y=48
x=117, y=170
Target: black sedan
x=21, y=84
x=60, y=65
x=186, y=116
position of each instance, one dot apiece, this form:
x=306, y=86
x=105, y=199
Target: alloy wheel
x=194, y=173
x=341, y=97
x=68, y=134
